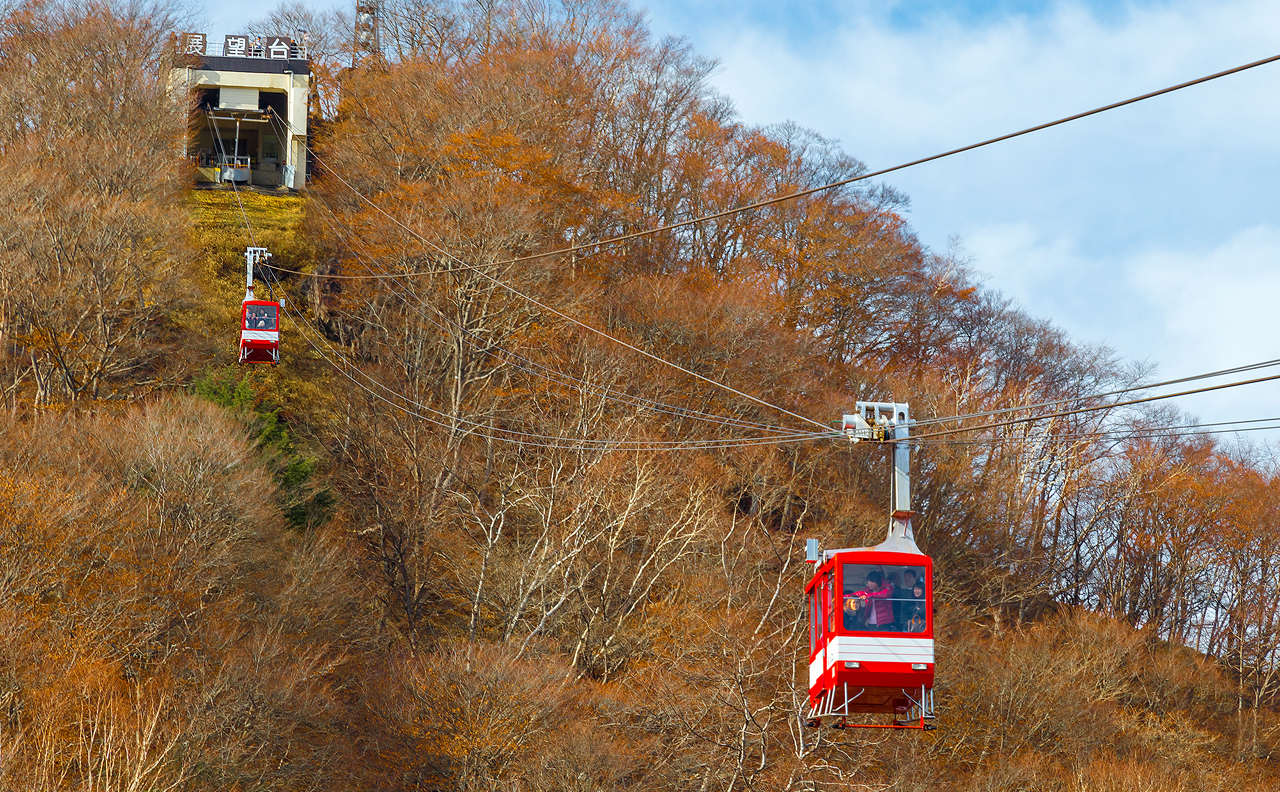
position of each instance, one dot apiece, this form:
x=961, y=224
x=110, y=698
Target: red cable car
x=871, y=608
x=259, y=319
x=260, y=332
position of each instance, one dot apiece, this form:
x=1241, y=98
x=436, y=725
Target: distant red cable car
x=870, y=609
x=260, y=332
x=259, y=319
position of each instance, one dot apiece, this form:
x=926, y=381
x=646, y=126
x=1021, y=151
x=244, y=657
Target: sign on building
x=236, y=45
x=278, y=47
x=271, y=47
x=193, y=44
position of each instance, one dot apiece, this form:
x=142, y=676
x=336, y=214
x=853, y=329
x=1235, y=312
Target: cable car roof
x=893, y=544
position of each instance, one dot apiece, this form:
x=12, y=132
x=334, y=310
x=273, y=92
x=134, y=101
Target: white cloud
x=1189, y=306
x=949, y=82
x=1019, y=259
x=1188, y=310
x=1218, y=303
x=1218, y=309
x=1048, y=277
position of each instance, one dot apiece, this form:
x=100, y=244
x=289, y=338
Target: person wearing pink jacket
x=875, y=600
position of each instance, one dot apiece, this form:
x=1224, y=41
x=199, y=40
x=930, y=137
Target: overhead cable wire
x=800, y=194
x=1096, y=407
x=864, y=177
x=886, y=170
x=658, y=407
x=595, y=245
x=1090, y=397
x=920, y=440
x=539, y=370
x=776, y=200
x=1118, y=433
x=1110, y=438
x=1118, y=392
x=487, y=431
x=223, y=151
x=792, y=196
x=572, y=320
x=535, y=369
x=452, y=423
x=551, y=442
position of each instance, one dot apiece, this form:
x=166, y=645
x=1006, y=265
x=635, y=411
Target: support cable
x=596, y=245
x=803, y=193
x=761, y=204
x=535, y=369
x=1118, y=392
x=1184, y=430
x=579, y=323
x=444, y=420
x=1094, y=408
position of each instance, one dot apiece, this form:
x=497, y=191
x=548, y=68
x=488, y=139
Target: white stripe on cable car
x=815, y=669
x=260, y=335
x=850, y=648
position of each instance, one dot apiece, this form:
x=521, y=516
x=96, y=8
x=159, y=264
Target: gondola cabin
x=260, y=332
x=870, y=609
x=871, y=634
x=259, y=319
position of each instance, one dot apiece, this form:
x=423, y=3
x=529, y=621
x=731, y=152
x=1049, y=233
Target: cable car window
x=821, y=592
x=819, y=612
x=829, y=601
x=815, y=623
x=813, y=641
x=260, y=317
x=885, y=598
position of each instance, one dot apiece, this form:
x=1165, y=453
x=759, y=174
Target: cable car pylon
x=870, y=609
x=259, y=319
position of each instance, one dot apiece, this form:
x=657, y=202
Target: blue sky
x=1154, y=229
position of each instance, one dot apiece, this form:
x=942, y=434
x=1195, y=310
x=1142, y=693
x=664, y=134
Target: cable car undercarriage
x=910, y=711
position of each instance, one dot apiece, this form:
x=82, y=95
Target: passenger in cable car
x=915, y=611
x=902, y=595
x=261, y=317
x=872, y=607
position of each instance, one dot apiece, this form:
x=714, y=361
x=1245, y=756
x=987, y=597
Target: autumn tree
x=92, y=249
x=161, y=628
x=328, y=40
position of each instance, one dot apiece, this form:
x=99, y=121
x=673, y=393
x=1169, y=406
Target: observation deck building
x=249, y=119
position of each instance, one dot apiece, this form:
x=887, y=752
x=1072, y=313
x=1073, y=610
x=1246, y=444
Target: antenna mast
x=368, y=40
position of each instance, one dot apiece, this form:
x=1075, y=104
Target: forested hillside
x=512, y=518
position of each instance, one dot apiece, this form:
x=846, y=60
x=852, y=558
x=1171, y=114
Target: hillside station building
x=250, y=121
